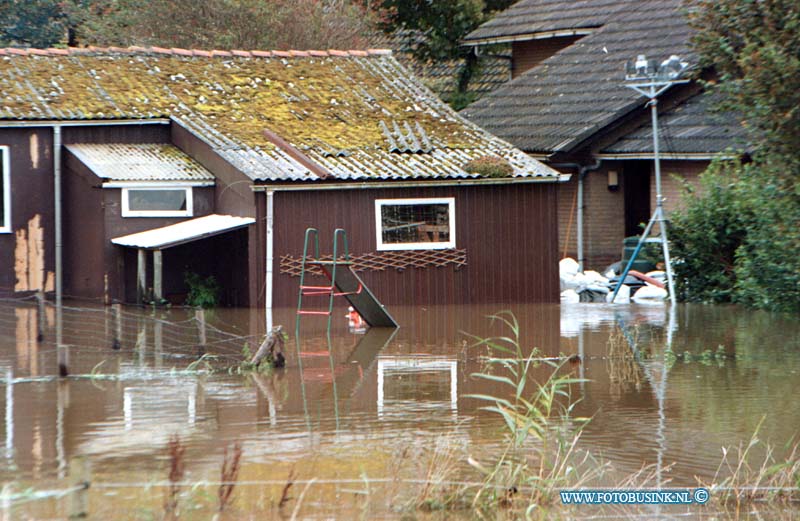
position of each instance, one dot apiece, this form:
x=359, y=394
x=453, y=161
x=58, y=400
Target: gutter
x=82, y=123
x=685, y=156
x=57, y=212
x=583, y=171
x=409, y=184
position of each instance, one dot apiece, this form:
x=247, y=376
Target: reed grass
x=541, y=434
x=751, y=473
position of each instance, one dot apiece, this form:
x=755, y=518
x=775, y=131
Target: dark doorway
x=636, y=183
x=223, y=257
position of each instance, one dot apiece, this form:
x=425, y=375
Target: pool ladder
x=330, y=269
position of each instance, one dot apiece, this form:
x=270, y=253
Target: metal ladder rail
x=339, y=239
x=310, y=232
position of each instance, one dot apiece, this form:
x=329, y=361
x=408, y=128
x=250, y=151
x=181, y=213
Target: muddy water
x=366, y=420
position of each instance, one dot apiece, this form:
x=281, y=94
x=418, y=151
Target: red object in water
x=354, y=320
x=641, y=276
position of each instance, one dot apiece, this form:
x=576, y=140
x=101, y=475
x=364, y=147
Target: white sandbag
x=659, y=275
x=567, y=267
x=594, y=277
x=650, y=294
x=623, y=297
x=570, y=297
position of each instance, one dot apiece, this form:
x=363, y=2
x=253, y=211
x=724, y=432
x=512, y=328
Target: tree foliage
x=38, y=23
x=210, y=24
x=229, y=24
x=739, y=239
x=754, y=46
x=444, y=24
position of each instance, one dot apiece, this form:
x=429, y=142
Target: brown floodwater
x=366, y=414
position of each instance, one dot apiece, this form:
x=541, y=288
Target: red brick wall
x=604, y=210
x=672, y=172
x=603, y=218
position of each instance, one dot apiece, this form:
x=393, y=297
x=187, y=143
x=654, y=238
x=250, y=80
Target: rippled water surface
x=364, y=413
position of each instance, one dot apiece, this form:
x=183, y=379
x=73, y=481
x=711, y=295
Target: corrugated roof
x=693, y=127
x=529, y=17
x=140, y=162
x=580, y=90
x=183, y=232
x=317, y=101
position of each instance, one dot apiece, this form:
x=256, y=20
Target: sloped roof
x=140, y=162
x=693, y=127
x=328, y=105
x=580, y=90
x=528, y=18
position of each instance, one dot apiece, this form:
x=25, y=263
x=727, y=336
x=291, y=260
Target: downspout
x=270, y=255
x=583, y=170
x=57, y=210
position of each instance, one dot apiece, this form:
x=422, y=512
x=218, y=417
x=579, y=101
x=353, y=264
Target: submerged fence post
x=200, y=317
x=116, y=342
x=41, y=317
x=79, y=479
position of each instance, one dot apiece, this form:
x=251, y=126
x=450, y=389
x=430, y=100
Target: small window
x=157, y=202
x=415, y=224
x=5, y=191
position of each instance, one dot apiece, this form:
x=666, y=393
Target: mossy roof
x=359, y=114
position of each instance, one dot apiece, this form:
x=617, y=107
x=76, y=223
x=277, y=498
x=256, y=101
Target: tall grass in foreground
x=753, y=477
x=540, y=454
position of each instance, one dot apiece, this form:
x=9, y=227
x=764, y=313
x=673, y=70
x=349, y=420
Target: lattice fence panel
x=383, y=260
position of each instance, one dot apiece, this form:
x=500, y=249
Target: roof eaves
x=521, y=37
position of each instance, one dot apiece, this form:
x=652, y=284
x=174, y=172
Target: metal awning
x=141, y=163
x=183, y=232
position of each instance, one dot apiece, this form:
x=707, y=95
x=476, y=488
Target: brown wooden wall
x=529, y=53
x=510, y=233
x=27, y=263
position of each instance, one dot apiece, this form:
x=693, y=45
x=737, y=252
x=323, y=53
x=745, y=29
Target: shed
x=163, y=145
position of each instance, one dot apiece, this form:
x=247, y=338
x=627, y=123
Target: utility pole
x=651, y=79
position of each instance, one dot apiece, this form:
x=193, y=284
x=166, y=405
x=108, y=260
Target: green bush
x=203, y=292
x=738, y=238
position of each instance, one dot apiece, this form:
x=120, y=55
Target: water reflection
x=411, y=385
x=346, y=401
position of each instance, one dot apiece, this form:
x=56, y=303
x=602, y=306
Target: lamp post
x=651, y=79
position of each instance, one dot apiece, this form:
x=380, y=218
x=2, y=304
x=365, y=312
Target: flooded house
x=567, y=104
x=125, y=171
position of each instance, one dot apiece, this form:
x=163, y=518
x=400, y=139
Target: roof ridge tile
x=177, y=51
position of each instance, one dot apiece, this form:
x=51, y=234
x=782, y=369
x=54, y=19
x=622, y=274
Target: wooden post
x=116, y=343
x=79, y=478
x=200, y=317
x=141, y=278
x=158, y=341
x=157, y=277
x=40, y=302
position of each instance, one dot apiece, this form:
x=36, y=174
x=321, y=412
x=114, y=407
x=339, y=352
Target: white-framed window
x=415, y=224
x=5, y=191
x=162, y=201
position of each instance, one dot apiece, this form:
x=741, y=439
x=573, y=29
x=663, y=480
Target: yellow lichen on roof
x=337, y=100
